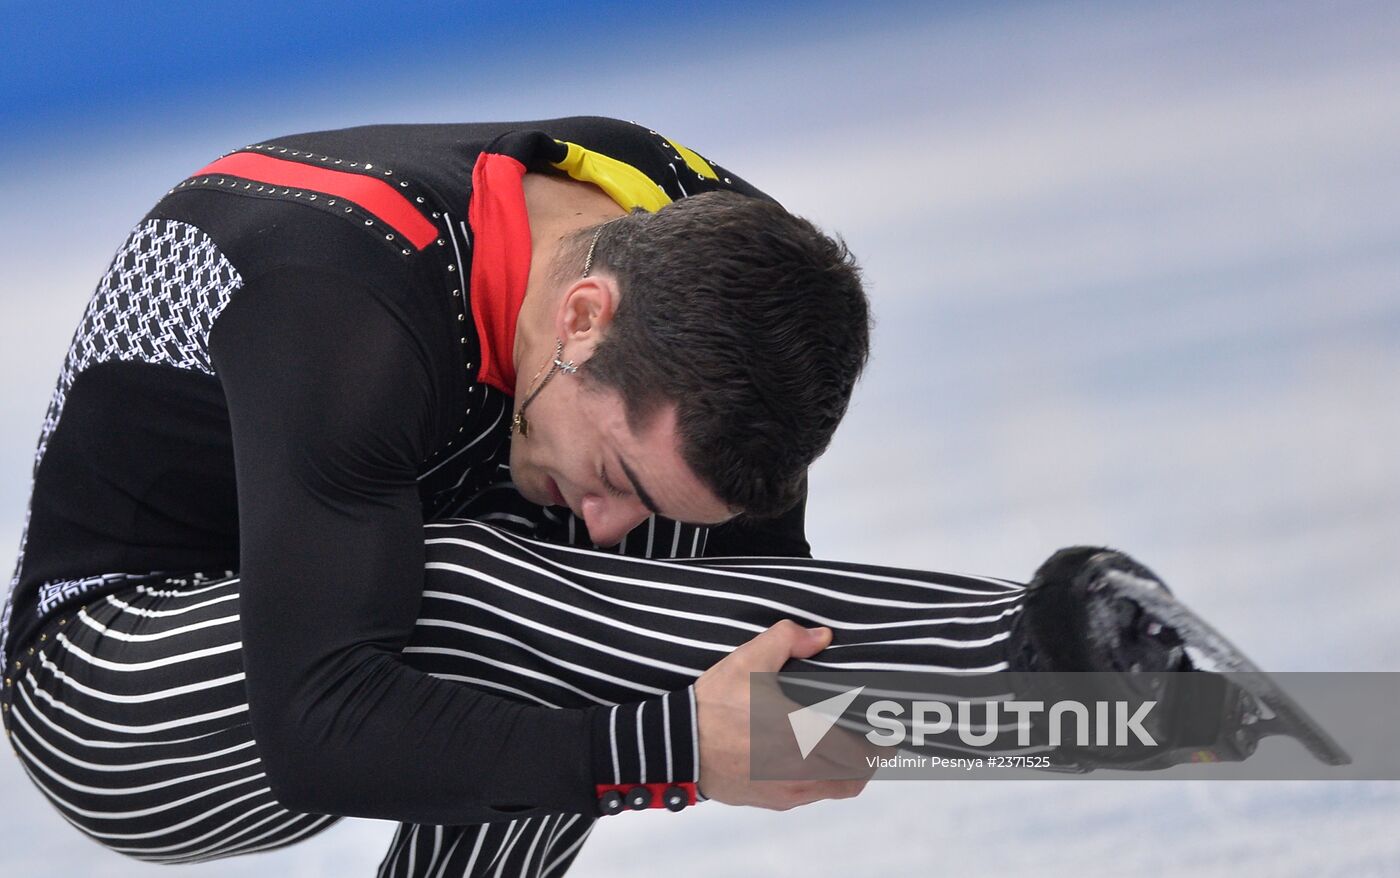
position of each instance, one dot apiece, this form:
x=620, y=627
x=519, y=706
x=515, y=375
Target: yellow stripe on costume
x=626, y=185
x=696, y=163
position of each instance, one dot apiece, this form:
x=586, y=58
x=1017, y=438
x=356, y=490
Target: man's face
x=581, y=454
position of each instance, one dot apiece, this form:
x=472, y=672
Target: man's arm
x=331, y=405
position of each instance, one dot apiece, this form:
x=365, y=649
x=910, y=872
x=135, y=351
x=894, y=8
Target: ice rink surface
x=1136, y=276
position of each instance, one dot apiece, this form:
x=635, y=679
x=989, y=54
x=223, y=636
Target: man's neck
x=557, y=207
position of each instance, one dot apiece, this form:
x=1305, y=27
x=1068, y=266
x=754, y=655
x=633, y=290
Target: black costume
x=330, y=307
x=279, y=380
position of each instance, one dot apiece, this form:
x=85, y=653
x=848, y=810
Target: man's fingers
x=770, y=650
x=843, y=789
x=849, y=754
x=809, y=642
x=794, y=794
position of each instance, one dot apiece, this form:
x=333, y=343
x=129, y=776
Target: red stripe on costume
x=372, y=195
x=500, y=263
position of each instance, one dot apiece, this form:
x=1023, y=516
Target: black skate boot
x=1079, y=616
x=1111, y=630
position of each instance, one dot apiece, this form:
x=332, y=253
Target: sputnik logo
x=811, y=723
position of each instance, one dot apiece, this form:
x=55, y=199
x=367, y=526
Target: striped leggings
x=130, y=713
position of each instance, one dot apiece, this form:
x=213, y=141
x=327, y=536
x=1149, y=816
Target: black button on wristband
x=610, y=802
x=675, y=798
x=615, y=798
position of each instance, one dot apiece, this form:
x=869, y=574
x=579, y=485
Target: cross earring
x=518, y=425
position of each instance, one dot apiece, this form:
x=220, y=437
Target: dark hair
x=751, y=320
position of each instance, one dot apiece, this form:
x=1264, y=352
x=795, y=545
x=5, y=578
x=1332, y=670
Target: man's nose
x=609, y=519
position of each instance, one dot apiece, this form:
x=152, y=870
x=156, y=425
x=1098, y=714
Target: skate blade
x=1212, y=652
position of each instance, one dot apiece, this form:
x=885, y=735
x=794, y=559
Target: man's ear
x=585, y=312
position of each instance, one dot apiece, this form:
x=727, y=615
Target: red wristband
x=616, y=798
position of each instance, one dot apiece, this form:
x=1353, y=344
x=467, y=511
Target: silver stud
x=369, y=222
x=419, y=199
x=337, y=161
x=464, y=339
x=312, y=197
x=354, y=165
x=297, y=195
x=405, y=252
x=368, y=166
x=456, y=292
x=436, y=214
x=388, y=173
x=286, y=191
x=441, y=242
x=247, y=185
x=347, y=210
x=451, y=268
x=403, y=184
x=727, y=180
x=284, y=152
x=389, y=237
x=461, y=317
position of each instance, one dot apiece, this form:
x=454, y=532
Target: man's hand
x=722, y=706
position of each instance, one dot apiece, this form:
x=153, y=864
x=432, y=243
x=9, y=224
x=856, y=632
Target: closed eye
x=609, y=486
